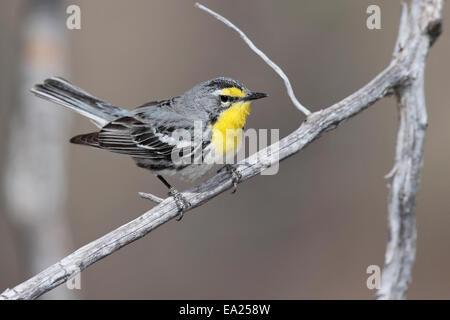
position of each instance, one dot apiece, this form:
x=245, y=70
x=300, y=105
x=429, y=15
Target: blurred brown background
x=333, y=195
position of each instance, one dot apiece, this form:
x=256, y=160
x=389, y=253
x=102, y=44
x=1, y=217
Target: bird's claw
x=235, y=176
x=181, y=202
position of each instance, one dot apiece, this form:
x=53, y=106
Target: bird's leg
x=182, y=203
x=235, y=175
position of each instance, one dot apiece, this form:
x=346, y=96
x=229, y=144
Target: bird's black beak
x=254, y=96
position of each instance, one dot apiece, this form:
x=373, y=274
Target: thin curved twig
x=263, y=56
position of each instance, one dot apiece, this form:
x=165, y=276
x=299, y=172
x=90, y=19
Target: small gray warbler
x=220, y=105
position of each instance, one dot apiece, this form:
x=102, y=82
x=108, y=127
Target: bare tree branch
x=151, y=197
x=402, y=70
x=420, y=25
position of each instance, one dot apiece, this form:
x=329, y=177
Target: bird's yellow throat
x=227, y=130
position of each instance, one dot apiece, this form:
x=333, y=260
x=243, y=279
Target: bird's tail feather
x=66, y=94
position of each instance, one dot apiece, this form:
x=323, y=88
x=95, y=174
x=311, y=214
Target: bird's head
x=221, y=97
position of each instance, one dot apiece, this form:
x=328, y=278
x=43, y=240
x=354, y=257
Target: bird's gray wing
x=144, y=136
x=152, y=104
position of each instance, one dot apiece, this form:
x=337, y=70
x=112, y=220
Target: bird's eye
x=224, y=98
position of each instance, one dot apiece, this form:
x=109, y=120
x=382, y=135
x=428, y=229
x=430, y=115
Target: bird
x=149, y=133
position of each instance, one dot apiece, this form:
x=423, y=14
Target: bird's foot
x=235, y=175
x=181, y=202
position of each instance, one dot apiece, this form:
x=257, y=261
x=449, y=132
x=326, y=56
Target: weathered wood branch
x=397, y=77
x=419, y=28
